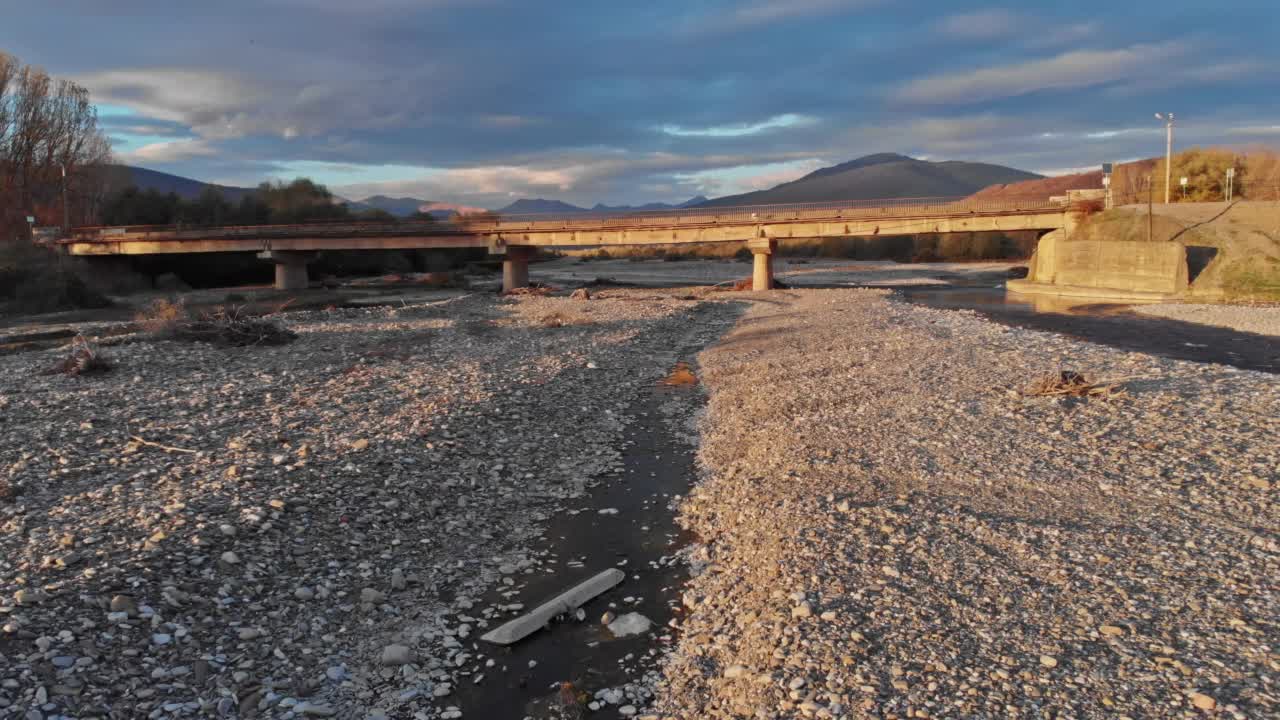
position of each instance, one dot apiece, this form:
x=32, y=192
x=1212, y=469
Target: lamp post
x=1168, y=152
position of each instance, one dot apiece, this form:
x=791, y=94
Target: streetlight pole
x=1168, y=153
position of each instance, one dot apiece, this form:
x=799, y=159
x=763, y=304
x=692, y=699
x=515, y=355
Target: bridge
x=517, y=237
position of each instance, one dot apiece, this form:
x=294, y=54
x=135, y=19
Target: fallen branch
x=150, y=443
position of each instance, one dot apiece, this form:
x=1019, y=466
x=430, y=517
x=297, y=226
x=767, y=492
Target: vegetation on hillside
x=1257, y=176
x=272, y=203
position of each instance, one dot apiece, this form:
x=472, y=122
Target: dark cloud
x=628, y=102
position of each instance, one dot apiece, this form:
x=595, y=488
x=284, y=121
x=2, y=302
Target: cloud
x=169, y=151
x=1078, y=69
x=630, y=102
x=980, y=25
x=212, y=103
x=739, y=130
x=585, y=177
x=739, y=15
x=1255, y=131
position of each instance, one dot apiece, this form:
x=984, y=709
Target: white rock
x=630, y=624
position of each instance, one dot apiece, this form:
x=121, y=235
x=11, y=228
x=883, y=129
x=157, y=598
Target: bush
x=39, y=281
x=226, y=327
x=161, y=316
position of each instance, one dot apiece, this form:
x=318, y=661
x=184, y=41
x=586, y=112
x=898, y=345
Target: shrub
x=37, y=280
x=162, y=316
x=224, y=326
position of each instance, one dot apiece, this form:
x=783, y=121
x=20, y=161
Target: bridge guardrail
x=701, y=216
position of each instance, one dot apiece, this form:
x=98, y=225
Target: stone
x=229, y=558
x=124, y=604
x=735, y=671
x=632, y=623
x=803, y=610
x=1048, y=661
x=304, y=593
x=30, y=596
x=396, y=655
x=1202, y=701
x=1111, y=630
x=371, y=596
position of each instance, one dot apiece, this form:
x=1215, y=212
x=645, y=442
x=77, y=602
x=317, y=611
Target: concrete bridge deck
x=516, y=237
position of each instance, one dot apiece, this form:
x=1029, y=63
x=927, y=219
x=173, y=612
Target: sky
x=480, y=102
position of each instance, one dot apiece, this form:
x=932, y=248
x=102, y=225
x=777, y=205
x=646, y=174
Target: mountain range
x=406, y=206
x=883, y=175
x=538, y=205
x=125, y=175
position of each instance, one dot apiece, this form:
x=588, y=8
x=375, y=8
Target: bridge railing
x=492, y=222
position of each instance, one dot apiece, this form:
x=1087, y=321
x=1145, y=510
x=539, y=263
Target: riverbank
x=893, y=528
x=1257, y=319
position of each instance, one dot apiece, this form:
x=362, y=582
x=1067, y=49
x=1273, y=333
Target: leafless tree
x=47, y=126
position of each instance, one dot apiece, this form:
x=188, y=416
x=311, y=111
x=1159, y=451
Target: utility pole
x=1168, y=152
x=66, y=213
x=1151, y=192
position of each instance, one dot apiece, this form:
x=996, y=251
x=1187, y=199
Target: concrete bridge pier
x=762, y=257
x=291, y=268
x=515, y=267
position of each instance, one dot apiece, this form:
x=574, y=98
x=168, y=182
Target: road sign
x=1231, y=172
x=1106, y=168
x=1183, y=182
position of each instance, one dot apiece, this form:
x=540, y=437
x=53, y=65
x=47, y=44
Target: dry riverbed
x=893, y=529
x=308, y=530
x=888, y=527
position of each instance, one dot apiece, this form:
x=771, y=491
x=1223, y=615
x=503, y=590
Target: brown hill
x=1044, y=187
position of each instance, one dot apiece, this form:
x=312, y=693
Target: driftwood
x=1069, y=383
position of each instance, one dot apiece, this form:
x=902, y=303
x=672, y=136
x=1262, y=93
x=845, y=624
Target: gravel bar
x=305, y=530
x=892, y=528
x=1258, y=319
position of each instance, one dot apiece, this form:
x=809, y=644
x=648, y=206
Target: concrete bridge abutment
x=291, y=268
x=762, y=251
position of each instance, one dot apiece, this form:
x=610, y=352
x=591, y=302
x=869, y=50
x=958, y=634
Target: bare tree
x=47, y=127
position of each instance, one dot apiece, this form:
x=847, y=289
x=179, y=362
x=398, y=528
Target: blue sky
x=483, y=101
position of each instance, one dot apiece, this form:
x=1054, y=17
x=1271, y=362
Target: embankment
x=1194, y=251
